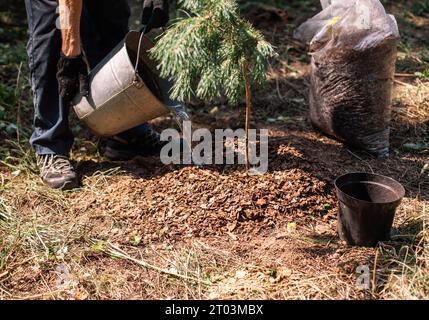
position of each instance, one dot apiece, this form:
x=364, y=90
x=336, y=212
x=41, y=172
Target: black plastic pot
x=368, y=204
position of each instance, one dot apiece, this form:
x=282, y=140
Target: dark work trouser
x=104, y=25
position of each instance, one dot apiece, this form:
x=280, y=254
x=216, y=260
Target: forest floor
x=215, y=232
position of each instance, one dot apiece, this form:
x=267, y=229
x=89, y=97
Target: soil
x=351, y=94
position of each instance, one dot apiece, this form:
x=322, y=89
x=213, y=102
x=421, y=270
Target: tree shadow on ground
x=317, y=251
x=308, y=150
x=406, y=234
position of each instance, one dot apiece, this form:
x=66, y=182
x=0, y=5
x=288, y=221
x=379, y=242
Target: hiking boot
x=146, y=144
x=57, y=172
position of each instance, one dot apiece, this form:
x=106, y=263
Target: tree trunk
x=248, y=109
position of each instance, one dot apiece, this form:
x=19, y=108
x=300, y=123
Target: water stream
x=181, y=116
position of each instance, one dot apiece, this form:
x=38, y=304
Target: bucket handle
x=143, y=32
x=136, y=67
x=138, y=80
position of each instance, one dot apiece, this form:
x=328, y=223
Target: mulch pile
x=192, y=202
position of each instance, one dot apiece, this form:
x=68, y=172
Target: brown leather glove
x=72, y=77
x=155, y=14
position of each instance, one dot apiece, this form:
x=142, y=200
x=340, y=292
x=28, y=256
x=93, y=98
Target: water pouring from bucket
x=368, y=204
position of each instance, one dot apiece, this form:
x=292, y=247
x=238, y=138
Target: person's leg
x=51, y=128
x=52, y=138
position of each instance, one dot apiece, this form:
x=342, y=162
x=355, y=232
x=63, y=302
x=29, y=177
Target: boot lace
x=57, y=163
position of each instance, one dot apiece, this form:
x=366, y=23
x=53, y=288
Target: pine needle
x=202, y=52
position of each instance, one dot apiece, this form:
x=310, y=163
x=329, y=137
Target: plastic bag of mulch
x=354, y=46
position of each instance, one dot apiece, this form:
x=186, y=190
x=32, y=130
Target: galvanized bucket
x=124, y=91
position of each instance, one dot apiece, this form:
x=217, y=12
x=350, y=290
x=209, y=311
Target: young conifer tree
x=213, y=52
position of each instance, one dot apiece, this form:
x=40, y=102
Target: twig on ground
x=5, y=291
x=296, y=88
x=406, y=75
x=4, y=216
x=41, y=241
x=119, y=253
x=40, y=295
x=279, y=94
x=48, y=287
x=22, y=262
x=403, y=83
x=357, y=157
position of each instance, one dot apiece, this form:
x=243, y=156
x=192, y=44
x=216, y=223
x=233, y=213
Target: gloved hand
x=155, y=14
x=72, y=77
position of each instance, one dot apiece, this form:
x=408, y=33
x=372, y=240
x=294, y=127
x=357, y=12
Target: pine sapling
x=211, y=53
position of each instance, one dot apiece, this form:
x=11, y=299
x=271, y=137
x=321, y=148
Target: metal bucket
x=124, y=91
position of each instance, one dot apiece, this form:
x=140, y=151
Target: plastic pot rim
x=400, y=195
